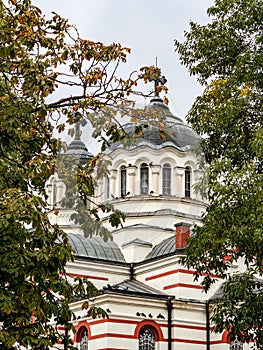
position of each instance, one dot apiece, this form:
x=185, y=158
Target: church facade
x=152, y=301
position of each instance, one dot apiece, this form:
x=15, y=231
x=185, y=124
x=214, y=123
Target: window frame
x=187, y=181
x=147, y=346
x=144, y=178
x=236, y=344
x=166, y=179
x=84, y=339
x=123, y=181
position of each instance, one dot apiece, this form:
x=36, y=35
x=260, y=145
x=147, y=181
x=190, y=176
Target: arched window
x=187, y=182
x=144, y=179
x=83, y=345
x=123, y=177
x=236, y=344
x=146, y=339
x=55, y=190
x=166, y=179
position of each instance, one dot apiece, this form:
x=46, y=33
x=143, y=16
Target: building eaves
x=134, y=288
x=137, y=241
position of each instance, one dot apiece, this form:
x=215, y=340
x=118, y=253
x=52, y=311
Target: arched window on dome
x=187, y=182
x=144, y=179
x=146, y=339
x=123, y=179
x=167, y=179
x=236, y=344
x=83, y=344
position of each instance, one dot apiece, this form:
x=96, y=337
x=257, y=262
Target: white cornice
x=89, y=267
x=156, y=264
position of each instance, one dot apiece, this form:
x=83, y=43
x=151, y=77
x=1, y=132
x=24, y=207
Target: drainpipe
x=132, y=271
x=207, y=325
x=66, y=340
x=169, y=320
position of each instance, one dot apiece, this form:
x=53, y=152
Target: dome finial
x=77, y=148
x=79, y=121
x=157, y=80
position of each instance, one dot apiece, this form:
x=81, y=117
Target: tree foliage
x=39, y=56
x=226, y=55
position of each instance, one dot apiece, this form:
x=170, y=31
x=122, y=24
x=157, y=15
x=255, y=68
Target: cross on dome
x=79, y=121
x=157, y=81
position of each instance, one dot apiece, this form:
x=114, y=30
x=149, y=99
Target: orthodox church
x=152, y=301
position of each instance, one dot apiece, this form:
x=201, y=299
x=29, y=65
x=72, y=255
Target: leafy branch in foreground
x=38, y=57
x=226, y=56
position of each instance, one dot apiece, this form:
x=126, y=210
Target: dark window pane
x=187, y=181
x=166, y=179
x=123, y=181
x=144, y=179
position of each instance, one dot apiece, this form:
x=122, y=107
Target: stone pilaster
x=131, y=176
x=179, y=181
x=155, y=183
x=113, y=182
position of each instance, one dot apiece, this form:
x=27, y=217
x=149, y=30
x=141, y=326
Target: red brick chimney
x=182, y=232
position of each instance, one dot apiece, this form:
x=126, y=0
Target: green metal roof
x=137, y=241
x=95, y=247
x=165, y=247
x=134, y=287
x=78, y=150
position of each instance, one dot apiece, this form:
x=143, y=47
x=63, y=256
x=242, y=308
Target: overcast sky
x=148, y=27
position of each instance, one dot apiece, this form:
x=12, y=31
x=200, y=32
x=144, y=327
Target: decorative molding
x=183, y=285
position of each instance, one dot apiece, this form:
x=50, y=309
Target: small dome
x=78, y=149
x=95, y=247
x=165, y=247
